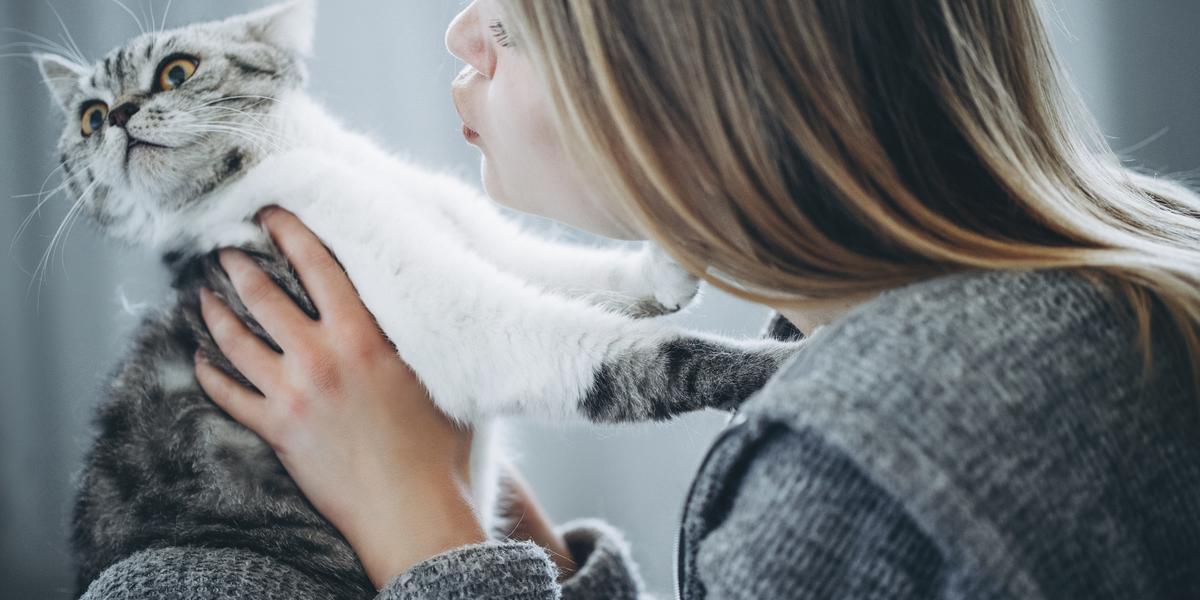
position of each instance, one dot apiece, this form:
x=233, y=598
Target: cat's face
x=162, y=121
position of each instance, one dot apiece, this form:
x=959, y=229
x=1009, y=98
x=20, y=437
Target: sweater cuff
x=605, y=569
x=478, y=571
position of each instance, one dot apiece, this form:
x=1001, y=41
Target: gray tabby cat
x=175, y=140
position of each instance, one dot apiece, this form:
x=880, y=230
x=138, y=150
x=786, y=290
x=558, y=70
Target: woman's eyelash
x=501, y=34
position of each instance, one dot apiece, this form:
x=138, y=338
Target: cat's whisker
x=62, y=254
x=34, y=213
x=231, y=98
x=199, y=109
x=27, y=55
x=259, y=143
x=69, y=40
x=209, y=112
x=39, y=273
x=141, y=27
x=241, y=128
x=26, y=223
x=46, y=44
x=55, y=49
x=256, y=118
x=33, y=45
x=148, y=7
x=163, y=26
x=76, y=206
x=43, y=198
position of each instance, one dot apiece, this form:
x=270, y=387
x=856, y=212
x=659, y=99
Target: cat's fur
x=494, y=321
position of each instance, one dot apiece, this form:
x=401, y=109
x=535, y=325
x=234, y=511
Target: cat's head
x=170, y=116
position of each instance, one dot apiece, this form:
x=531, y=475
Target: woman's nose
x=465, y=41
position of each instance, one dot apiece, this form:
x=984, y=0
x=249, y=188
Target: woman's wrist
x=436, y=518
x=541, y=532
x=533, y=524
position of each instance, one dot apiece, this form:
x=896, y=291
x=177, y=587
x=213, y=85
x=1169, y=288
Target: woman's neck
x=807, y=315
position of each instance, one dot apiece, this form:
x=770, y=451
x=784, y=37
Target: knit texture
x=985, y=435
x=1007, y=425
x=201, y=574
x=520, y=571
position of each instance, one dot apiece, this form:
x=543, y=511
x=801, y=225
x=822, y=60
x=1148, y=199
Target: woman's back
x=1005, y=415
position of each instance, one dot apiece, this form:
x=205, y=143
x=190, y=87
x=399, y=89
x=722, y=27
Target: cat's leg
x=486, y=343
x=641, y=281
x=636, y=282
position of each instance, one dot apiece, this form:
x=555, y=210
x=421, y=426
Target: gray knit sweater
x=980, y=435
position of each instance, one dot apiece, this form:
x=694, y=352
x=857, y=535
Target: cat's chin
x=145, y=155
x=143, y=146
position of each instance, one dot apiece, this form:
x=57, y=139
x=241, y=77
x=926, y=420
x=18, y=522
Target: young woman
x=998, y=398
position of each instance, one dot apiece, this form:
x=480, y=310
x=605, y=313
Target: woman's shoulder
x=993, y=336
x=195, y=573
x=999, y=409
x=977, y=368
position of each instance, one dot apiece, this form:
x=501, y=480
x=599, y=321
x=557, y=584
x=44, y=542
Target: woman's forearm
x=416, y=527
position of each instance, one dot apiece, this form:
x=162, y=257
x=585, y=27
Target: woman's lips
x=469, y=133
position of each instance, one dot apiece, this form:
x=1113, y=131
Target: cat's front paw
x=672, y=286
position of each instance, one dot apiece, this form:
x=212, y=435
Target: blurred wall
x=382, y=65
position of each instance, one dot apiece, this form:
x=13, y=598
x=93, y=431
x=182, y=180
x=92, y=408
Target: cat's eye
x=174, y=71
x=92, y=117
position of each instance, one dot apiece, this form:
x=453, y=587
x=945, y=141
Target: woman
x=998, y=395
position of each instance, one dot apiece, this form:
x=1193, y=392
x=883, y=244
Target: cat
x=175, y=140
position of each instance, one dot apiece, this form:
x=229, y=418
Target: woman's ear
x=290, y=25
x=62, y=76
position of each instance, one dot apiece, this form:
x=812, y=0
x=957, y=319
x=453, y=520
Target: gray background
x=382, y=64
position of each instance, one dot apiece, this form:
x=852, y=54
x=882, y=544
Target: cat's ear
x=61, y=76
x=289, y=25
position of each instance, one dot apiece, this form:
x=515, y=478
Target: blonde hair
x=820, y=148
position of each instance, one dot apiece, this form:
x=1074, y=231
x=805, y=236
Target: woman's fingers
x=243, y=405
x=322, y=276
x=254, y=359
x=274, y=310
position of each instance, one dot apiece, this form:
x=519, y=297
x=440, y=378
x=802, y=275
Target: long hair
x=787, y=149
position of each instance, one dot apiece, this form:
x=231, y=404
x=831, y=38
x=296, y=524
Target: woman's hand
x=346, y=416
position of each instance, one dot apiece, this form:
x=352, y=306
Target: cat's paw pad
x=673, y=287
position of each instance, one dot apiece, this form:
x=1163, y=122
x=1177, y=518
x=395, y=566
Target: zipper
x=736, y=420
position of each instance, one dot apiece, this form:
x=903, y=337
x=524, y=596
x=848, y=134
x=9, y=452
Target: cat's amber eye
x=93, y=116
x=174, y=71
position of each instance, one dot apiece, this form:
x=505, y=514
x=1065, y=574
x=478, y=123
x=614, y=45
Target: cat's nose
x=123, y=113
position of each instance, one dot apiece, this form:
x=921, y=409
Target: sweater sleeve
x=803, y=521
x=523, y=570
x=510, y=570
x=193, y=573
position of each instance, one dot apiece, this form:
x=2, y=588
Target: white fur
x=288, y=25
x=427, y=254
x=436, y=264
x=176, y=376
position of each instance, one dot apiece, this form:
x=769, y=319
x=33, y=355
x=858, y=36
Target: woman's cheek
x=523, y=161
